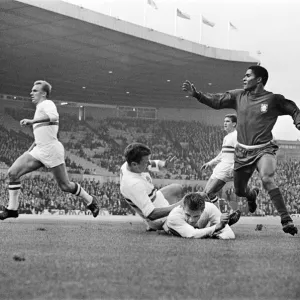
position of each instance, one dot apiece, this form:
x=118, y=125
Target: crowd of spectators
x=193, y=143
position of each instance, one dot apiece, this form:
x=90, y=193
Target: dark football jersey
x=256, y=114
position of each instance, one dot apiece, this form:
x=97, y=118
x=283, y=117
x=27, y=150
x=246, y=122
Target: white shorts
x=50, y=155
x=223, y=171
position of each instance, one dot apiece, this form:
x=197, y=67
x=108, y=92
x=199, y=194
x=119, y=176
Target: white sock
x=80, y=192
x=215, y=201
x=14, y=192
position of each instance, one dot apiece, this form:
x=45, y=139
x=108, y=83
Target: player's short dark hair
x=134, y=152
x=232, y=117
x=195, y=200
x=46, y=86
x=260, y=71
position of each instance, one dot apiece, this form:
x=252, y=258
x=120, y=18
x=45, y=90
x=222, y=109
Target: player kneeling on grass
x=198, y=219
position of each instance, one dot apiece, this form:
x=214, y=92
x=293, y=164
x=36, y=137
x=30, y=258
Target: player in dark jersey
x=257, y=112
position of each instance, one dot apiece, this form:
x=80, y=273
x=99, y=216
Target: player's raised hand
x=25, y=122
x=204, y=167
x=169, y=162
x=189, y=88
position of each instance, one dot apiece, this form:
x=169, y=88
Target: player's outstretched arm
x=216, y=101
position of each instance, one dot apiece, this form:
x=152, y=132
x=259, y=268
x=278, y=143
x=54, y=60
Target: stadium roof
x=91, y=57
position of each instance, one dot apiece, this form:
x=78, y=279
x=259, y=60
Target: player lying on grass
x=196, y=218
x=136, y=186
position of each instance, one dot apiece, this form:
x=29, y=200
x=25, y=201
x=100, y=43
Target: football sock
x=80, y=192
x=215, y=200
x=278, y=202
x=14, y=192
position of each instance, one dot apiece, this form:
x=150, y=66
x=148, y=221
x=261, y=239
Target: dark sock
x=279, y=204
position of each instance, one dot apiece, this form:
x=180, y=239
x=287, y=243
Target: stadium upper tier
x=95, y=58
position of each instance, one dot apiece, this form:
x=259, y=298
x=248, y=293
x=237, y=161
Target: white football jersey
x=205, y=227
x=45, y=133
x=228, y=147
x=140, y=193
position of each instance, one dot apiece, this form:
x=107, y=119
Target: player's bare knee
x=268, y=182
x=12, y=174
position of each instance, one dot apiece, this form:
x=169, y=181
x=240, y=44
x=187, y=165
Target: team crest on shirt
x=148, y=178
x=264, y=108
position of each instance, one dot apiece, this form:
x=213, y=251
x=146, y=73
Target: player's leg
x=241, y=178
x=61, y=176
x=266, y=167
x=213, y=186
x=172, y=192
x=26, y=163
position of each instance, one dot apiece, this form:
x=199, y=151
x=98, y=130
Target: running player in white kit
x=46, y=151
x=223, y=162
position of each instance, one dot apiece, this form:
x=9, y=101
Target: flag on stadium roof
x=231, y=26
x=182, y=14
x=207, y=22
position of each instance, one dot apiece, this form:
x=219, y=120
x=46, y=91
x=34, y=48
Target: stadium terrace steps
x=87, y=164
x=10, y=123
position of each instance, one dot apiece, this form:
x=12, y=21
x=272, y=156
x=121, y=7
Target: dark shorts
x=248, y=157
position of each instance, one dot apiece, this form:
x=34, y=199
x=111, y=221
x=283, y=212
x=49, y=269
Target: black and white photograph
x=149, y=149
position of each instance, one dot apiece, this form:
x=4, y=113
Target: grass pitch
x=79, y=257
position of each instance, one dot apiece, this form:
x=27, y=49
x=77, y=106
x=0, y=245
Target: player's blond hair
x=46, y=86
